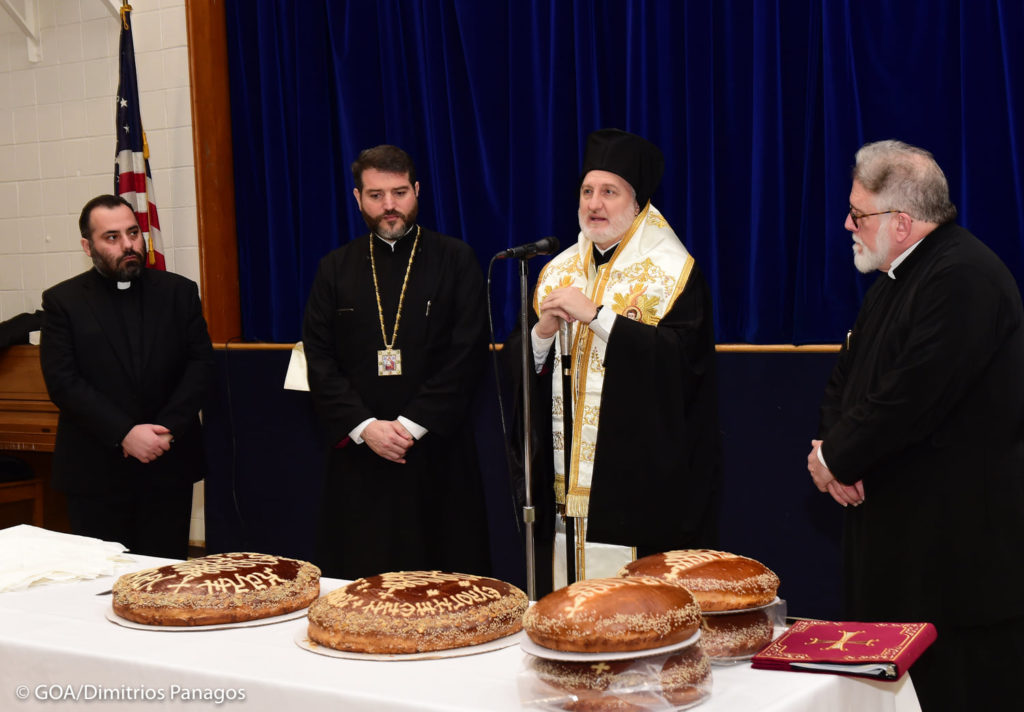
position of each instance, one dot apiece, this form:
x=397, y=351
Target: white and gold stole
x=647, y=272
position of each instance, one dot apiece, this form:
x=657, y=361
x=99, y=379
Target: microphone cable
x=234, y=442
x=501, y=404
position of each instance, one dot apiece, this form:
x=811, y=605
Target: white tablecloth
x=56, y=641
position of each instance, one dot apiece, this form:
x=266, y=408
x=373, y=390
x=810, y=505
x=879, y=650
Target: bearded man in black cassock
x=395, y=339
x=922, y=434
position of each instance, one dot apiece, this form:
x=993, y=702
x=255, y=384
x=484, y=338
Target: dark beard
x=408, y=220
x=121, y=271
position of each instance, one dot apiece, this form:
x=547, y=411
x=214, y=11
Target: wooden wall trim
x=720, y=348
x=778, y=348
x=243, y=346
x=214, y=167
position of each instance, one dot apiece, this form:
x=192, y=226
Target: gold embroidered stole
x=647, y=272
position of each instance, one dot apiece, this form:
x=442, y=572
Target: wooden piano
x=28, y=422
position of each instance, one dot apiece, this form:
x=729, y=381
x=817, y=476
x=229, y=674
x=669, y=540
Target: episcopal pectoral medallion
x=389, y=362
x=389, y=359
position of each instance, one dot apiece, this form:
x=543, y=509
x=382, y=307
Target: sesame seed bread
x=216, y=589
x=415, y=612
x=719, y=581
x=736, y=635
x=681, y=680
x=612, y=615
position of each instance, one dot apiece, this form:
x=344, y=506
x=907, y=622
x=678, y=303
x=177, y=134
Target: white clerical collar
x=899, y=260
x=392, y=241
x=608, y=249
x=120, y=285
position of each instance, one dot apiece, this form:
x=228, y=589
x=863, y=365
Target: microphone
x=545, y=246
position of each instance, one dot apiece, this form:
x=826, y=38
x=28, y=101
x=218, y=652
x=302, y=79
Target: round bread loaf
x=681, y=679
x=736, y=635
x=720, y=581
x=612, y=615
x=415, y=612
x=220, y=588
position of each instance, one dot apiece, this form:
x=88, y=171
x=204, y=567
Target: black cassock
x=926, y=406
x=428, y=513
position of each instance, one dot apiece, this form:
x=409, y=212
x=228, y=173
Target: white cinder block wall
x=57, y=140
x=57, y=137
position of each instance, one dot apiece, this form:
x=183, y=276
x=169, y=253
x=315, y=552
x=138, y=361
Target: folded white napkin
x=295, y=378
x=31, y=556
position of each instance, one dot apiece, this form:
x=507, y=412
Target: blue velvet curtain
x=758, y=105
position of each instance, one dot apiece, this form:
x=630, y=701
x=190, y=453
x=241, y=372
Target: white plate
x=114, y=618
x=731, y=660
x=528, y=646
x=302, y=640
x=741, y=610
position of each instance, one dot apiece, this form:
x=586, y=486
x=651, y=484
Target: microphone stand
x=529, y=513
x=567, y=437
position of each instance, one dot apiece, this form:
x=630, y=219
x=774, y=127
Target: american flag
x=133, y=180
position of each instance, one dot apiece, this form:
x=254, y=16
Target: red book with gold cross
x=878, y=650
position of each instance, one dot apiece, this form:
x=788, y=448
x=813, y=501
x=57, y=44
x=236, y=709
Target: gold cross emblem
x=843, y=641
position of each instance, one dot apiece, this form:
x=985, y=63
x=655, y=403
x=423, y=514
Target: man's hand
x=567, y=303
x=847, y=494
x=146, y=442
x=389, y=439
x=825, y=481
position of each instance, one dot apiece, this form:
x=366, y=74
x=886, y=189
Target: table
x=56, y=638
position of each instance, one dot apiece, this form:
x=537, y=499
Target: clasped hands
x=825, y=481
x=568, y=304
x=146, y=442
x=389, y=439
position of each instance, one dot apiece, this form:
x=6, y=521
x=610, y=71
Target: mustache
x=129, y=253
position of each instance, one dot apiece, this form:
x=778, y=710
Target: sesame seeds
x=415, y=612
x=613, y=615
x=216, y=588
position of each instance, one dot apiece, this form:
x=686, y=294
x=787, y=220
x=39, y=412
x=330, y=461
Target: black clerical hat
x=638, y=161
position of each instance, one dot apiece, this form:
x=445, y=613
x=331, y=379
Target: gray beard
x=867, y=262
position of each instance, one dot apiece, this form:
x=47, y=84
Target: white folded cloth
x=31, y=556
x=295, y=378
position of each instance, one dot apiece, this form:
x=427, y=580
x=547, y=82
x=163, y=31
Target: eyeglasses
x=854, y=216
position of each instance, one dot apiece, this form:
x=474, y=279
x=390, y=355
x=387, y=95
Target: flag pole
x=133, y=179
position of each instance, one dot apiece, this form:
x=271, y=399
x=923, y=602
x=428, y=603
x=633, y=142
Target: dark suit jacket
x=17, y=329
x=89, y=372
x=926, y=406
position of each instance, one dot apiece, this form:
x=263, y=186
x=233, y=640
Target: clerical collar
x=121, y=286
x=899, y=260
x=602, y=256
x=393, y=241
